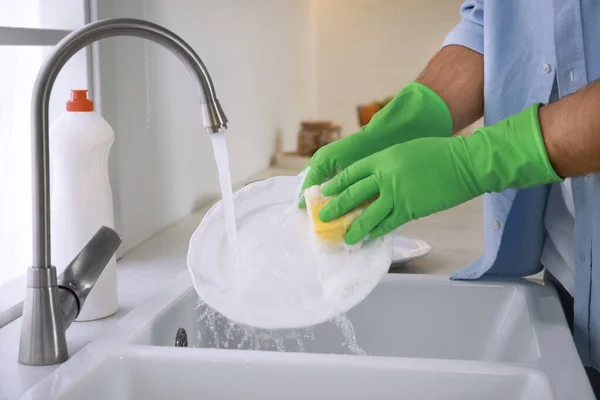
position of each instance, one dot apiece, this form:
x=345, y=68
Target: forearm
x=455, y=73
x=571, y=131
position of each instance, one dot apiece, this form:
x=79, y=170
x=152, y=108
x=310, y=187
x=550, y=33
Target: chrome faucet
x=52, y=303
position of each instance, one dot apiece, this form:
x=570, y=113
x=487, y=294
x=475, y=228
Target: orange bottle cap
x=79, y=101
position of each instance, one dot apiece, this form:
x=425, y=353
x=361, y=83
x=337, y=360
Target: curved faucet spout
x=43, y=325
x=213, y=116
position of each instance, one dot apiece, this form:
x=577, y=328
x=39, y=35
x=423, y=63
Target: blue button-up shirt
x=528, y=45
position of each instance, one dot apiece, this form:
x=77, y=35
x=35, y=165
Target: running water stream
x=222, y=158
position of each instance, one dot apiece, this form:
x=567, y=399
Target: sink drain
x=181, y=338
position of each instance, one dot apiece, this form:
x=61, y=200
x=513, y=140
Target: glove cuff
x=510, y=154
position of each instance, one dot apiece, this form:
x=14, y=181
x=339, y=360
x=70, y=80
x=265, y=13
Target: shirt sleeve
x=469, y=31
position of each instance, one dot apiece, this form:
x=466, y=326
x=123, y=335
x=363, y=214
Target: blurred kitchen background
x=274, y=63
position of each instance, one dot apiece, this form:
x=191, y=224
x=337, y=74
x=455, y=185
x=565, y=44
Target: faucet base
x=43, y=339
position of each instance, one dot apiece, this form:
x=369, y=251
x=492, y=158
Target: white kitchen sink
x=425, y=337
x=403, y=317
x=160, y=374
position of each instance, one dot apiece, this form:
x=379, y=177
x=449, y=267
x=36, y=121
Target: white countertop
x=455, y=235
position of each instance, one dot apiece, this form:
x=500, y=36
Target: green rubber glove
x=424, y=176
x=415, y=112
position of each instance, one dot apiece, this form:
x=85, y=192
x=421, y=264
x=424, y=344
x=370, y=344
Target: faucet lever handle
x=77, y=280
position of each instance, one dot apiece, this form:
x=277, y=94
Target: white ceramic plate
x=282, y=279
x=408, y=249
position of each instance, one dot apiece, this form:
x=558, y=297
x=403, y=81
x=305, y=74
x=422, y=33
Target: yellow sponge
x=329, y=235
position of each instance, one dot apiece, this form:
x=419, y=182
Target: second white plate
x=408, y=249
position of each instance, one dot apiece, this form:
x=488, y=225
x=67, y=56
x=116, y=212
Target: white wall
x=369, y=49
x=259, y=54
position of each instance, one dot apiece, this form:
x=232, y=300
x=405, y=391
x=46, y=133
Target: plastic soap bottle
x=81, y=197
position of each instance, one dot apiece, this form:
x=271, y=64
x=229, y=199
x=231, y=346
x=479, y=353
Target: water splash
x=216, y=331
x=347, y=328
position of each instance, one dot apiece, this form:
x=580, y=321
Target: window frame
x=11, y=36
x=12, y=291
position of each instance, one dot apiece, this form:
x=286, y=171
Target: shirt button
x=546, y=68
x=496, y=224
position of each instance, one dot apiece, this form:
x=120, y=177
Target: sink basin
x=402, y=317
x=419, y=337
x=159, y=374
